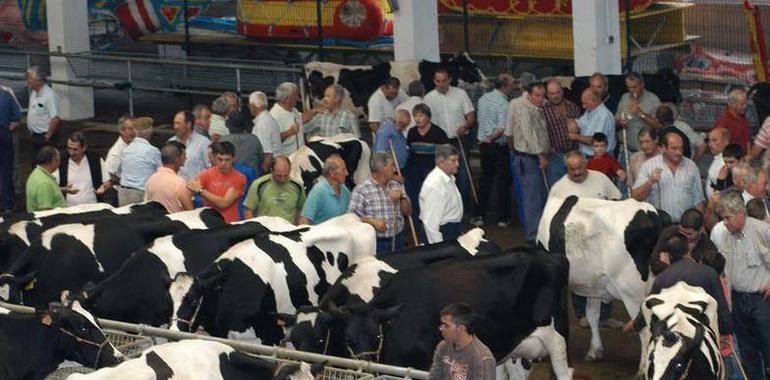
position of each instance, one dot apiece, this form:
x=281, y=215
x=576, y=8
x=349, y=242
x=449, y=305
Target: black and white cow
x=608, y=244
x=311, y=326
x=68, y=256
x=362, y=81
x=140, y=291
x=196, y=359
x=19, y=235
x=33, y=345
x=519, y=295
x=681, y=335
x=308, y=161
x=257, y=278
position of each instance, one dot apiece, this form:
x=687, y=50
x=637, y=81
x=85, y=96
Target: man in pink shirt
x=165, y=185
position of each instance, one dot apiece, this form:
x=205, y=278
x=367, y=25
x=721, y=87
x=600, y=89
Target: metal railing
x=181, y=76
x=271, y=351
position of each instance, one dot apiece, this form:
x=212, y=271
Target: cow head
x=301, y=371
x=79, y=337
x=310, y=329
x=671, y=351
x=187, y=296
x=364, y=323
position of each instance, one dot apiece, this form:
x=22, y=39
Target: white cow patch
x=5, y=292
x=303, y=373
x=366, y=277
x=249, y=336
x=85, y=233
x=470, y=240
x=171, y=256
x=88, y=207
x=76, y=307
x=191, y=219
x=124, y=210
x=307, y=317
x=19, y=229
x=4, y=311
x=178, y=289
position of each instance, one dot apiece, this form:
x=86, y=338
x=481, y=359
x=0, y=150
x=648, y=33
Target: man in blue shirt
x=137, y=163
x=329, y=197
x=392, y=132
x=10, y=114
x=493, y=107
x=597, y=118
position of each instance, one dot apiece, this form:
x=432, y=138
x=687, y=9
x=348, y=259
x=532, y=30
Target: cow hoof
x=593, y=357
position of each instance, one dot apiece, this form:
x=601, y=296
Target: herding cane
x=409, y=217
x=468, y=170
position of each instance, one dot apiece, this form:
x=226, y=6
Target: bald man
x=718, y=139
x=597, y=118
x=329, y=197
x=734, y=119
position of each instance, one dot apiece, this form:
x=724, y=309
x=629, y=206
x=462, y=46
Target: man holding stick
x=382, y=202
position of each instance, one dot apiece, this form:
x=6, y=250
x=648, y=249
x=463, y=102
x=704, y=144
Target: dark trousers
x=38, y=142
x=385, y=244
x=450, y=231
x=494, y=169
x=415, y=175
x=751, y=322
x=6, y=172
x=579, y=304
x=529, y=189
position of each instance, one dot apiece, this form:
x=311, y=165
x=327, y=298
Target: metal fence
x=133, y=336
x=130, y=73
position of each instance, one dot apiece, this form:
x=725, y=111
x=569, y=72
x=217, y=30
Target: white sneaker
x=502, y=224
x=477, y=221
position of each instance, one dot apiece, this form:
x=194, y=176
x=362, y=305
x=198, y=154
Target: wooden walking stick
x=409, y=217
x=468, y=170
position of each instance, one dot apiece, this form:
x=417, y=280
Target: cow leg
x=593, y=309
x=514, y=369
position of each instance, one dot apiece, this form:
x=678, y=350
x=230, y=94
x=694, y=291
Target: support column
x=415, y=30
x=596, y=36
x=68, y=33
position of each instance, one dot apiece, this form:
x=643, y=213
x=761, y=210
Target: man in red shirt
x=734, y=119
x=221, y=186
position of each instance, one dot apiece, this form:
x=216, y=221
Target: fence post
x=130, y=89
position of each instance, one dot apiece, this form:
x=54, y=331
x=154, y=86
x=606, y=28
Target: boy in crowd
x=602, y=161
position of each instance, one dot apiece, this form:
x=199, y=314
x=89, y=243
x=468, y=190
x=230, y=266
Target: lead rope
x=86, y=341
x=376, y=353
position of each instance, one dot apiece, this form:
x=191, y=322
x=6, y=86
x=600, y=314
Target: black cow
x=760, y=95
x=311, y=326
x=664, y=84
x=210, y=360
x=33, y=345
x=257, y=278
x=362, y=81
x=307, y=161
x=18, y=235
x=520, y=297
x=68, y=256
x=147, y=286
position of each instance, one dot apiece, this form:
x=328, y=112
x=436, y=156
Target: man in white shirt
x=441, y=208
x=718, y=139
x=583, y=182
x=416, y=92
x=289, y=120
x=453, y=111
x=266, y=129
x=42, y=113
x=383, y=102
x=82, y=171
x=127, y=133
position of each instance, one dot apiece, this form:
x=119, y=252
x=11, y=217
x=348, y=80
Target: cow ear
x=386, y=314
x=284, y=319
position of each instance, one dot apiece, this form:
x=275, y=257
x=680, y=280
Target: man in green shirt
x=43, y=191
x=275, y=194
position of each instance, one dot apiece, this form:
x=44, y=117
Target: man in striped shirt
x=492, y=119
x=529, y=145
x=333, y=120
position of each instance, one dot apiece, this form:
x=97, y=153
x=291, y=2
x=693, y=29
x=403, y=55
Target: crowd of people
x=235, y=159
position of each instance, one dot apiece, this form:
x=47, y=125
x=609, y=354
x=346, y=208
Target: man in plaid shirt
x=382, y=202
x=333, y=120
x=556, y=111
